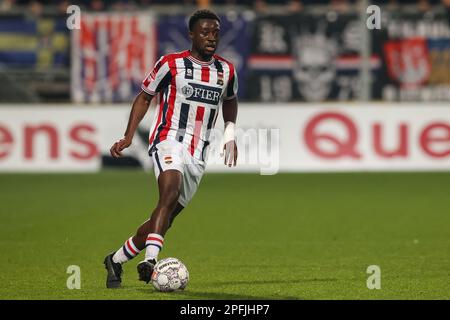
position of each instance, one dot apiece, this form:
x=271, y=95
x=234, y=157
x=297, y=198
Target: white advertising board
x=271, y=139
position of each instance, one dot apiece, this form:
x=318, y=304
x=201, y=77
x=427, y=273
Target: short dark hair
x=201, y=14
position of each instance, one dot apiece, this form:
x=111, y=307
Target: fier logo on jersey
x=201, y=93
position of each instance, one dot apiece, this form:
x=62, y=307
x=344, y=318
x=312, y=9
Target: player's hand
x=116, y=149
x=230, y=152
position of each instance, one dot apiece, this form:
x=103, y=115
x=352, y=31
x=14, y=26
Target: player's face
x=205, y=37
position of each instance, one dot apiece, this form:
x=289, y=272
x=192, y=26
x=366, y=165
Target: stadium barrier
x=279, y=138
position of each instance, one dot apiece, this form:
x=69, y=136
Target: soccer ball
x=170, y=274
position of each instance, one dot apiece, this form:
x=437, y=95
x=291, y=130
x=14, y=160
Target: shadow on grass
x=231, y=296
x=191, y=295
x=262, y=282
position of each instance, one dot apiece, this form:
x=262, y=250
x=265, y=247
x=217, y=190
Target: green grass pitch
x=288, y=236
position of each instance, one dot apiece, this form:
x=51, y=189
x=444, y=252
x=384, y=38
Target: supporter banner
x=309, y=58
x=373, y=137
x=316, y=58
x=111, y=54
x=34, y=43
x=417, y=54
x=234, y=40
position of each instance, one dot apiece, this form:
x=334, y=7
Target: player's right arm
x=138, y=111
x=155, y=81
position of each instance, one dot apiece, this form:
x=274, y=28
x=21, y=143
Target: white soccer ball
x=169, y=275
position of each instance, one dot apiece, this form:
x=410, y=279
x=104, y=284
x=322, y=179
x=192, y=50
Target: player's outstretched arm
x=229, y=111
x=138, y=111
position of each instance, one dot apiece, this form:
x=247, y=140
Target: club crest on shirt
x=168, y=159
x=187, y=90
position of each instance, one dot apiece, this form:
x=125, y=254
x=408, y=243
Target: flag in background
x=408, y=61
x=111, y=54
x=35, y=44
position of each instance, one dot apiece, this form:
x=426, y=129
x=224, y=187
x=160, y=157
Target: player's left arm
x=229, y=112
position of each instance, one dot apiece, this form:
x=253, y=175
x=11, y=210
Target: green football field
x=288, y=236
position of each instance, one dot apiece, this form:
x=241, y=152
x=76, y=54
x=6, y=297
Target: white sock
x=127, y=252
x=153, y=246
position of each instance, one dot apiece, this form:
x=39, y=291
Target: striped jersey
x=189, y=94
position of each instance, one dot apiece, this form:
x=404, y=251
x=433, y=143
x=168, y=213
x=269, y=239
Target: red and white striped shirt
x=189, y=94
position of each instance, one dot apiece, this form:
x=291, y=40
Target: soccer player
x=189, y=88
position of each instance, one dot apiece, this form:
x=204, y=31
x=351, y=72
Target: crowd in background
x=36, y=49
x=36, y=6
